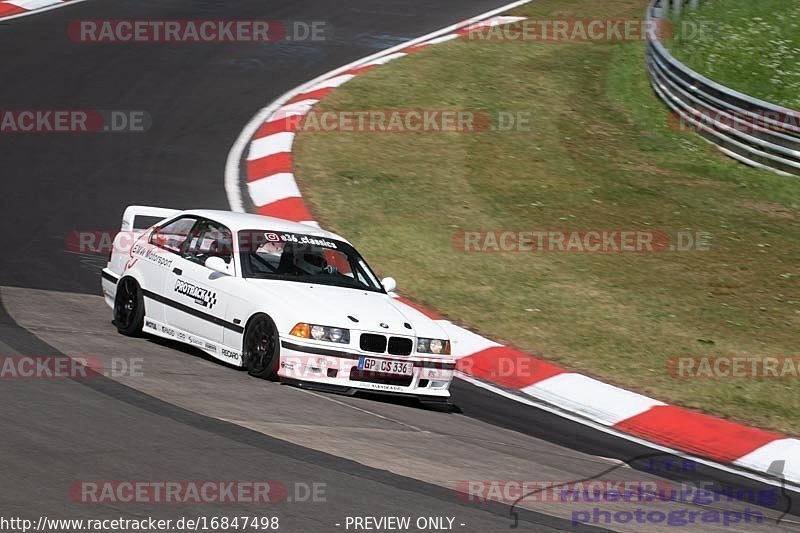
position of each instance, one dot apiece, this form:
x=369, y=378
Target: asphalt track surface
x=185, y=417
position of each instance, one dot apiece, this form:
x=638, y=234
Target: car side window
x=209, y=240
x=172, y=236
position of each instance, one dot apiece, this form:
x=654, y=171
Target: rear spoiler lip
x=132, y=211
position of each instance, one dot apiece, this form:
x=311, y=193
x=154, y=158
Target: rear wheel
x=129, y=308
x=261, y=347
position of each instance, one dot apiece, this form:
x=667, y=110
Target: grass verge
x=753, y=47
x=600, y=155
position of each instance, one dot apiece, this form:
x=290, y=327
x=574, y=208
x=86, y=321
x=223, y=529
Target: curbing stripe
x=267, y=166
x=761, y=459
x=11, y=9
x=316, y=95
x=270, y=145
x=276, y=187
x=464, y=342
x=33, y=5
x=697, y=433
x=507, y=367
x=293, y=209
x=7, y=9
x=593, y=399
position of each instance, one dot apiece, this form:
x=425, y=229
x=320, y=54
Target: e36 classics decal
x=201, y=296
x=299, y=239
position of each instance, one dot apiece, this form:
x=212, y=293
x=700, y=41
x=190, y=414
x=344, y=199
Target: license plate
x=385, y=366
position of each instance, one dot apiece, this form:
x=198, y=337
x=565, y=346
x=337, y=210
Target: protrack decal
x=201, y=296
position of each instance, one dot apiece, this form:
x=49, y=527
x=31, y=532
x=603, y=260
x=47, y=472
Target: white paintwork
x=210, y=309
x=593, y=399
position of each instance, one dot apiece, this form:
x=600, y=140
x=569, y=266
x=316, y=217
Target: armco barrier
x=753, y=131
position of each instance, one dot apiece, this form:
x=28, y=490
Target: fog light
x=438, y=384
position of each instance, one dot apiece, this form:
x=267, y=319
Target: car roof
x=245, y=221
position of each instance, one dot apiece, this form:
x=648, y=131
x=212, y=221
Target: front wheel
x=261, y=347
x=129, y=308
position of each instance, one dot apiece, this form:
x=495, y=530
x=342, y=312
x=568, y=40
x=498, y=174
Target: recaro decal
x=230, y=354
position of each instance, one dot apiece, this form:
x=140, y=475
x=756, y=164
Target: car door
x=154, y=255
x=201, y=296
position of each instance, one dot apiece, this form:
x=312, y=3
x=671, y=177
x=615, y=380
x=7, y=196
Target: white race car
x=278, y=298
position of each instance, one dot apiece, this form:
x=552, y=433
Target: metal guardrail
x=753, y=131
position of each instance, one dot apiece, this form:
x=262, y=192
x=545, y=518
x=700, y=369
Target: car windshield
x=304, y=258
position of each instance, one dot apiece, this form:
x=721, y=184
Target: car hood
x=332, y=306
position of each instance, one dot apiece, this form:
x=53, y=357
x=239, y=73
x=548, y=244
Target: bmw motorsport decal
x=201, y=296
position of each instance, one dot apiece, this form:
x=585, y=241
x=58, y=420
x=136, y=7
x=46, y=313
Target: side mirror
x=217, y=264
x=389, y=284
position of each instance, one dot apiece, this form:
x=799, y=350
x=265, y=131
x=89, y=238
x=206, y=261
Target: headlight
x=435, y=346
x=321, y=333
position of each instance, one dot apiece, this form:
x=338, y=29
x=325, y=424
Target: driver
x=312, y=262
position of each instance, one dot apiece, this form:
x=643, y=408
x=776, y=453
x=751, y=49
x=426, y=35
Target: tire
x=261, y=348
x=129, y=308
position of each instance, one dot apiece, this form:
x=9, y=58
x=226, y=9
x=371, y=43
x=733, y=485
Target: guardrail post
x=693, y=4
x=676, y=6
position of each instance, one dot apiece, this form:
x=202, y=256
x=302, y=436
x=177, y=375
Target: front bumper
x=337, y=370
